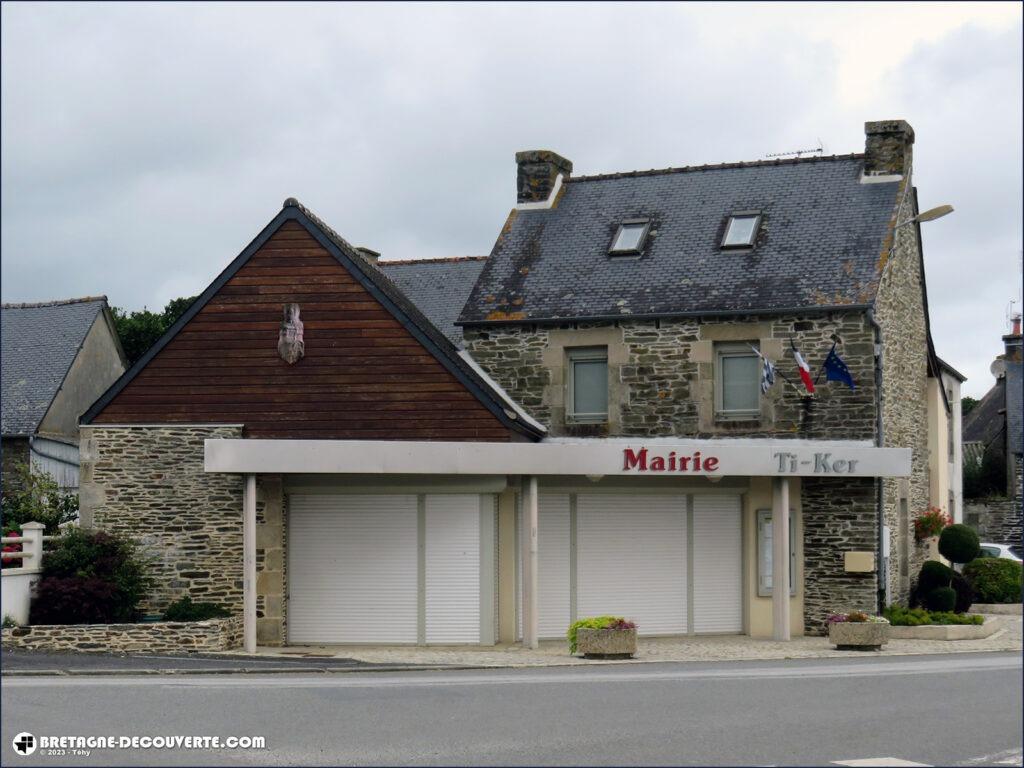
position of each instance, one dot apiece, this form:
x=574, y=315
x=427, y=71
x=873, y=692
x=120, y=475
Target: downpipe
x=880, y=441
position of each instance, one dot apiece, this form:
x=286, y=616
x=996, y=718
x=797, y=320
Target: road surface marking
x=881, y=762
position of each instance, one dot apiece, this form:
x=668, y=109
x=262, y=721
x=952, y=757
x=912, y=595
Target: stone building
x=58, y=357
x=588, y=435
x=993, y=437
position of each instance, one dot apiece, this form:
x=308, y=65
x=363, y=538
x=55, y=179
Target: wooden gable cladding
x=364, y=374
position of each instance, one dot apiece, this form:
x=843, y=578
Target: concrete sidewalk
x=551, y=653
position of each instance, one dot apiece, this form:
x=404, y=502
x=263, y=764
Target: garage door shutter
x=717, y=564
x=631, y=559
x=352, y=569
x=452, y=568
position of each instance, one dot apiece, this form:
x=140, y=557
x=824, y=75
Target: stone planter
x=858, y=635
x=606, y=643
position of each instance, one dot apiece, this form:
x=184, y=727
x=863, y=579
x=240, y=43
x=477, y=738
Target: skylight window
x=741, y=230
x=630, y=237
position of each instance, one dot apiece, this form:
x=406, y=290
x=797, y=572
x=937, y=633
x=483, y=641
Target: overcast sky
x=143, y=146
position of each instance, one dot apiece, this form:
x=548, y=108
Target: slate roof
x=439, y=287
x=987, y=420
x=39, y=344
x=821, y=238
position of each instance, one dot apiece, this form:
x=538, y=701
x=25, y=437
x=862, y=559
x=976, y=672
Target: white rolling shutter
x=717, y=564
x=352, y=569
x=553, y=565
x=452, y=568
x=631, y=559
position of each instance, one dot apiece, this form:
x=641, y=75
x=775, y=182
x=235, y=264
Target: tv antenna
x=820, y=149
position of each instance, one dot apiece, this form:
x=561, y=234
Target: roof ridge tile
x=716, y=167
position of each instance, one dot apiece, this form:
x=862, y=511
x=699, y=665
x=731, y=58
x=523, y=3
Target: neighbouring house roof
x=39, y=344
x=439, y=287
x=822, y=237
x=947, y=368
x=376, y=282
x=986, y=422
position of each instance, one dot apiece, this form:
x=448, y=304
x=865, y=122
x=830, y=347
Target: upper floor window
x=737, y=382
x=630, y=237
x=741, y=230
x=588, y=384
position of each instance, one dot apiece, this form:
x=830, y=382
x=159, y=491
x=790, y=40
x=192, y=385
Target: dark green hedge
x=994, y=579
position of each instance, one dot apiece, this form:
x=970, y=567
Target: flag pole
x=777, y=370
x=822, y=369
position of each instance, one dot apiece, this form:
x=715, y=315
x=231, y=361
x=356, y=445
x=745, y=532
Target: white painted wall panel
x=453, y=568
x=631, y=559
x=717, y=564
x=352, y=569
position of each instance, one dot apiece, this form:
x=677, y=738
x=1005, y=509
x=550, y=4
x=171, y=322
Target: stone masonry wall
x=998, y=518
x=148, y=482
x=838, y=516
x=156, y=637
x=899, y=309
x=271, y=543
x=669, y=371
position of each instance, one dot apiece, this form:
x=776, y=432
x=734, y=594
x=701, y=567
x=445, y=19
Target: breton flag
x=767, y=371
x=803, y=368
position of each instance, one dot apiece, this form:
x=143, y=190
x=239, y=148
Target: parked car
x=1009, y=551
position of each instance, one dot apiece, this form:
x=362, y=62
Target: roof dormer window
x=630, y=237
x=741, y=230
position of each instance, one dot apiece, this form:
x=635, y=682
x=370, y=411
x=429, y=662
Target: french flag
x=805, y=371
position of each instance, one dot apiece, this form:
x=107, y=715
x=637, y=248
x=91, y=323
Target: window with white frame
x=741, y=230
x=588, y=384
x=764, y=553
x=629, y=237
x=737, y=382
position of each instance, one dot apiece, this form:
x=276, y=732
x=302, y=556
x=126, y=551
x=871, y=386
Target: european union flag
x=836, y=369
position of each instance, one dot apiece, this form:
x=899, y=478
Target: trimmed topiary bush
x=994, y=579
x=90, y=577
x=933, y=574
x=964, y=593
x=185, y=610
x=959, y=543
x=942, y=599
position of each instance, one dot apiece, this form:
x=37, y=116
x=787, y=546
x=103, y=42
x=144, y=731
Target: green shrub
x=185, y=610
x=941, y=599
x=596, y=622
x=959, y=543
x=933, y=574
x=994, y=579
x=899, y=616
x=90, y=577
x=9, y=623
x=31, y=496
x=964, y=593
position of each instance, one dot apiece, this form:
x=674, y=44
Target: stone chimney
x=369, y=254
x=888, y=147
x=1012, y=341
x=538, y=171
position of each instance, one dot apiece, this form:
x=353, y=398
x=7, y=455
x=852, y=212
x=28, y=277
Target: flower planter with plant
x=603, y=637
x=857, y=631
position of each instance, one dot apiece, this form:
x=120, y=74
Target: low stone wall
x=999, y=609
x=156, y=637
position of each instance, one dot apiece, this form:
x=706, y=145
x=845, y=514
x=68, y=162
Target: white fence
x=16, y=583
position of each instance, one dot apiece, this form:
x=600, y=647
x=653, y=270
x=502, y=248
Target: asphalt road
x=933, y=710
